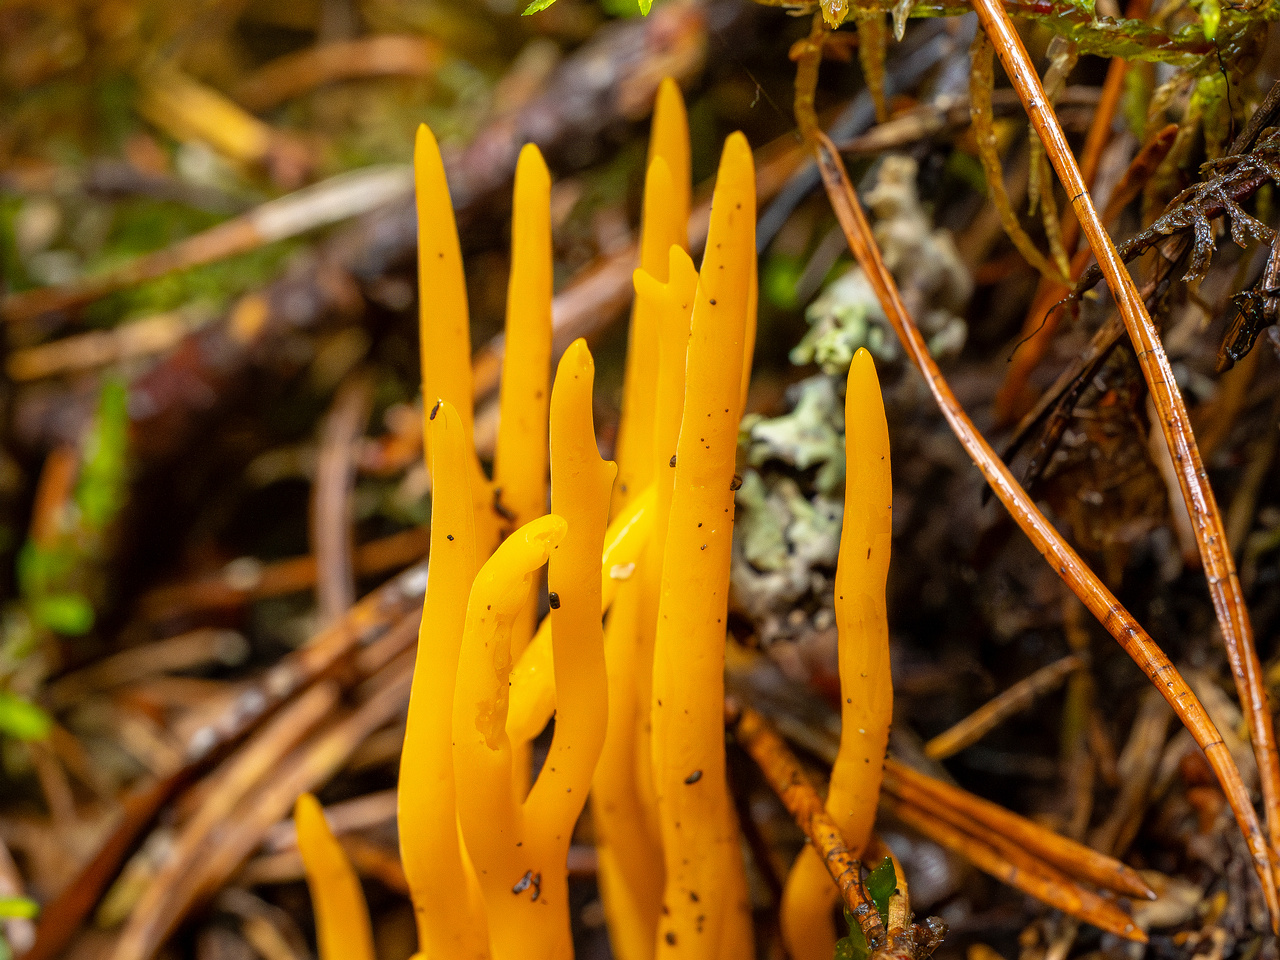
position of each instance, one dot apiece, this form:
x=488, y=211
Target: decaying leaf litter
x=206, y=237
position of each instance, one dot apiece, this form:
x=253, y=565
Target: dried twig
x=1219, y=567
x=186, y=651
x=247, y=580
x=782, y=770
x=100, y=348
x=339, y=198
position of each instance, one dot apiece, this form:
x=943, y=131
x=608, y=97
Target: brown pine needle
x=1003, y=706
x=1019, y=869
x=332, y=508
x=983, y=819
x=1077, y=574
x=306, y=768
x=1219, y=567
x=239, y=775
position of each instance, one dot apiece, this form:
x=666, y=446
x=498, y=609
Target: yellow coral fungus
x=520, y=849
x=444, y=329
x=664, y=223
x=342, y=919
x=699, y=837
x=866, y=691
x=520, y=460
x=447, y=904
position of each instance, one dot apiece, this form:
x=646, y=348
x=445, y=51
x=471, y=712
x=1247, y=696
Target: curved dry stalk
x=1068, y=564
x=1219, y=567
x=332, y=509
x=1047, y=305
x=981, y=82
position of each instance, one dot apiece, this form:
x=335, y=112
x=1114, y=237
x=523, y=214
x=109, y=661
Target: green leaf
x=22, y=719
x=646, y=6
x=69, y=614
x=18, y=908
x=1210, y=17
x=537, y=7
x=881, y=883
x=101, y=489
x=854, y=946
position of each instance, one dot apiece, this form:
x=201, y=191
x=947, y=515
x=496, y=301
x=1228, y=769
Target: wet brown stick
x=1219, y=566
x=983, y=819
x=332, y=512
x=1064, y=560
x=1003, y=706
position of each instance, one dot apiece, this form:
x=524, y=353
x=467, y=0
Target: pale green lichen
x=784, y=556
x=923, y=260
x=811, y=435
